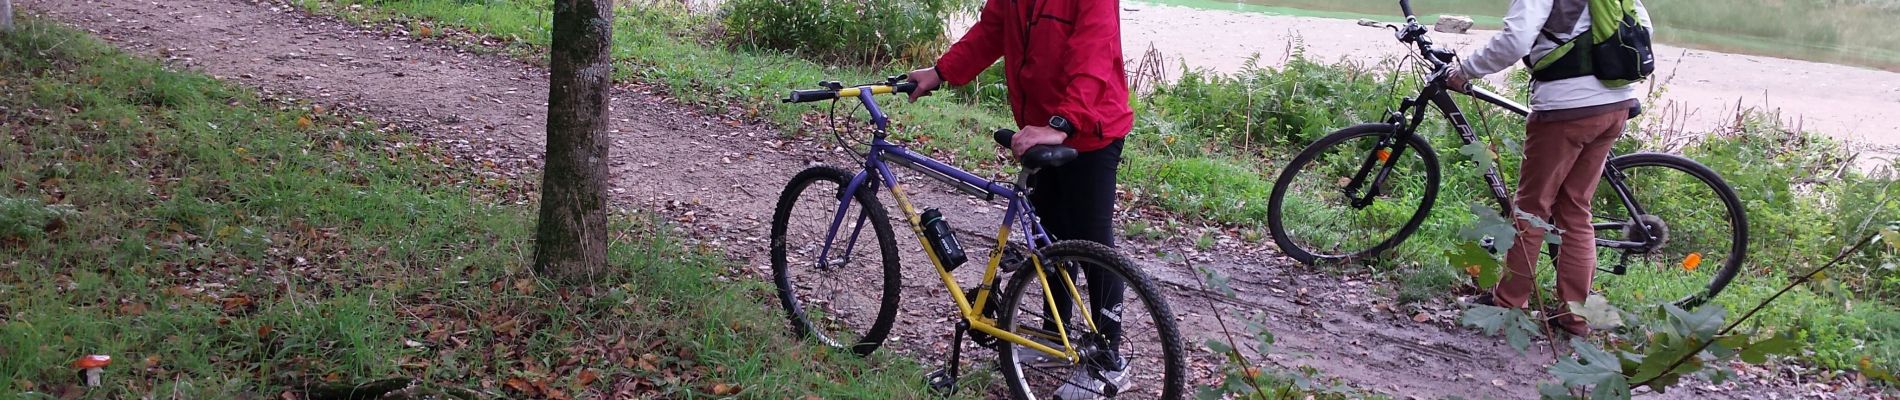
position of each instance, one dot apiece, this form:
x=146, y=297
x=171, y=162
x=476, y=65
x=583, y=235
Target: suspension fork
x=1390, y=159
x=863, y=181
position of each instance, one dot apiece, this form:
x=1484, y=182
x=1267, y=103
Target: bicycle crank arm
x=1621, y=267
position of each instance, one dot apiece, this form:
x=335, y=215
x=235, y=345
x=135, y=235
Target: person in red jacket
x=1062, y=61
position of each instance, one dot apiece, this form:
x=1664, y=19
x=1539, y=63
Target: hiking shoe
x=1029, y=357
x=1573, y=325
x=1091, y=381
x=1483, y=299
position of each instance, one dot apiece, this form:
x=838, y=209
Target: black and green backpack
x=1615, y=48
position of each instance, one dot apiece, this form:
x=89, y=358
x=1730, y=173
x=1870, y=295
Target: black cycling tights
x=1076, y=201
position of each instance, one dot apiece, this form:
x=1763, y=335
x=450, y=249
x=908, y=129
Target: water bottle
x=942, y=240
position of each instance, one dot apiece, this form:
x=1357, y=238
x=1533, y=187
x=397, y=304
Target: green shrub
x=867, y=32
x=1284, y=107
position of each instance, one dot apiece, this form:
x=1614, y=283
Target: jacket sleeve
x=1642, y=15
x=977, y=49
x=1095, y=57
x=1521, y=26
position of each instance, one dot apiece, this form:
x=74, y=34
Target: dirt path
x=1704, y=87
x=721, y=178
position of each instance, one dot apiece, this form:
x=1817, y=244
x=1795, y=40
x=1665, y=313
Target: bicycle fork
x=1385, y=155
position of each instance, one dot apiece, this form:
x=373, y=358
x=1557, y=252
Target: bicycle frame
x=877, y=171
x=1411, y=114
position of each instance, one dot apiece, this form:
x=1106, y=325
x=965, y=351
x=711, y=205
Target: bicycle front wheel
x=842, y=292
x=1144, y=361
x=1697, y=241
x=1353, y=194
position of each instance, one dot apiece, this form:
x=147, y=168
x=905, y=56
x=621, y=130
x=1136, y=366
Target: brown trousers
x=1563, y=161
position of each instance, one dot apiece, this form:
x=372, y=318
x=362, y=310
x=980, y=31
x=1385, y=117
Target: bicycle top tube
x=882, y=153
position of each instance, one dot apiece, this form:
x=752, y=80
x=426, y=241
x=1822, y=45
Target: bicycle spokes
x=1351, y=194
x=1681, y=248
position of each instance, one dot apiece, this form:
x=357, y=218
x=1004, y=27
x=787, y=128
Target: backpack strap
x=1563, y=17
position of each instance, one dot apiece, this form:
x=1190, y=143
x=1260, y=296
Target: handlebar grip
x=1004, y=137
x=1407, y=6
x=806, y=96
x=905, y=87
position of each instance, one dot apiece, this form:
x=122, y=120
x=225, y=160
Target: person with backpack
x=1062, y=64
x=1584, y=56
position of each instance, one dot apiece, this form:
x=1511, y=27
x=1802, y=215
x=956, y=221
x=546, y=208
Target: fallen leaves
x=132, y=309
x=586, y=377
x=519, y=385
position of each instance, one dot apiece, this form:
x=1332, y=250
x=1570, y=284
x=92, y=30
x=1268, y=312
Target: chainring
x=1657, y=228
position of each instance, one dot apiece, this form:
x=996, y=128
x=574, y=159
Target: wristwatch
x=1061, y=124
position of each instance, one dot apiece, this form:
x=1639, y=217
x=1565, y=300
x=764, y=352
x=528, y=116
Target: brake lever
x=1376, y=24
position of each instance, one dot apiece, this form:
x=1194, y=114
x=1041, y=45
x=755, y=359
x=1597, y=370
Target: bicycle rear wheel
x=1699, y=248
x=1324, y=208
x=1150, y=351
x=842, y=300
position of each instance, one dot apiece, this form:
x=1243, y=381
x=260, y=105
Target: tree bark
x=571, y=241
x=6, y=15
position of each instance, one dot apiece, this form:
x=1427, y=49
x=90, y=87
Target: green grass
x=1854, y=32
x=1206, y=149
x=217, y=245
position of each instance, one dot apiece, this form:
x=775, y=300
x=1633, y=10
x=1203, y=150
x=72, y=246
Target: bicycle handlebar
x=1407, y=6
x=835, y=90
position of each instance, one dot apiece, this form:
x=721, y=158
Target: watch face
x=1059, y=123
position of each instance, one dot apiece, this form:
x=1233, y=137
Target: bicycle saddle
x=1048, y=155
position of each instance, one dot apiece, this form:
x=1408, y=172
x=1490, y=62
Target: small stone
x=1453, y=24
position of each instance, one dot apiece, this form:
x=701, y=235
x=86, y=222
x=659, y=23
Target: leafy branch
x=1805, y=278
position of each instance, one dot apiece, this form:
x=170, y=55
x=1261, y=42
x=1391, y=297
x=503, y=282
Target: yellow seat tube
x=989, y=274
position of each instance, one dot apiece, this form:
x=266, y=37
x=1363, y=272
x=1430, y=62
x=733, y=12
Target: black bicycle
x=1676, y=230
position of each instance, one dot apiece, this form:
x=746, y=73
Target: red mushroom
x=92, y=367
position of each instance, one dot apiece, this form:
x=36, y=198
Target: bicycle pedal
x=942, y=382
x=1618, y=269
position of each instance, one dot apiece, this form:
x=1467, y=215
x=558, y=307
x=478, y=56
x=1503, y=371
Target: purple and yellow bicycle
x=840, y=284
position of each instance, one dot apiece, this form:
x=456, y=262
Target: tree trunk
x=6, y=15
x=571, y=241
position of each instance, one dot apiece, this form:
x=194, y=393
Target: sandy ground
x=1706, y=87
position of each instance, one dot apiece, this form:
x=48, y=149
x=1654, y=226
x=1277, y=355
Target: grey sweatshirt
x=1521, y=36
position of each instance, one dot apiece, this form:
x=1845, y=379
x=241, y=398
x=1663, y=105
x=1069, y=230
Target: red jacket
x=1060, y=57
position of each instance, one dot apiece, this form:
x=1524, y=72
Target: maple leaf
x=1476, y=262
x=1598, y=312
x=1592, y=367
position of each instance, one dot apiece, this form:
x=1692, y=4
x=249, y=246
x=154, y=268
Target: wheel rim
x=837, y=302
x=1698, y=241
x=1317, y=213
x=1141, y=345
